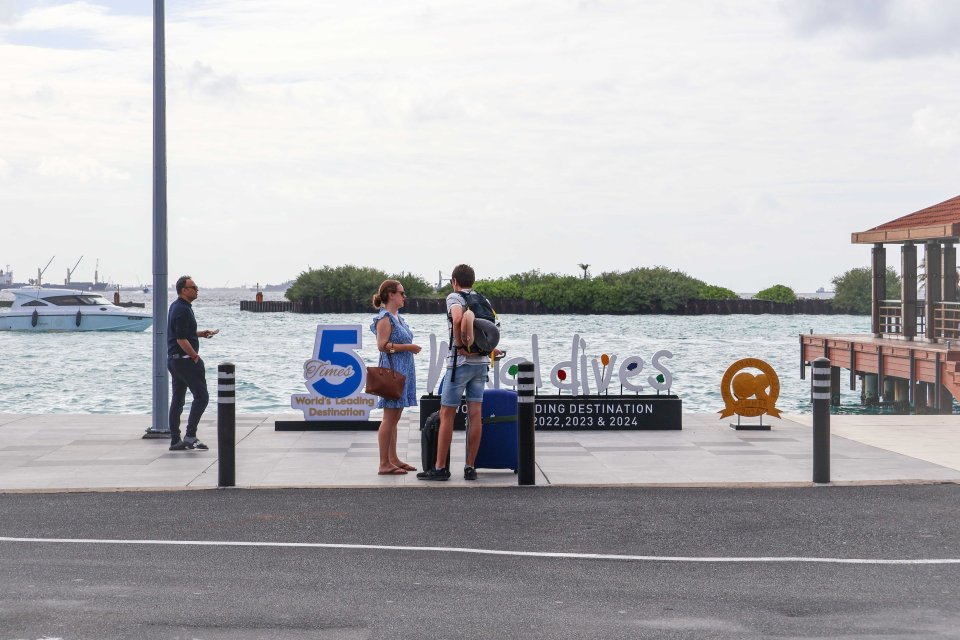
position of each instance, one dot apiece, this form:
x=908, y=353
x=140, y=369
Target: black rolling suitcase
x=428, y=442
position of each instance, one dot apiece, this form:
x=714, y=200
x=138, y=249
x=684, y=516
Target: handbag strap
x=389, y=358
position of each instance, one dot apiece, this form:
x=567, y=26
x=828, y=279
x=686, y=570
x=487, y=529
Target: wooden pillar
x=934, y=284
x=948, y=272
x=878, y=288
x=901, y=390
x=871, y=388
x=920, y=398
x=946, y=401
x=889, y=389
x=908, y=296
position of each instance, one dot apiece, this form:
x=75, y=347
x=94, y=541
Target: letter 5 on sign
x=343, y=376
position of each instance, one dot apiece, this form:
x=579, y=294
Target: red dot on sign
x=562, y=374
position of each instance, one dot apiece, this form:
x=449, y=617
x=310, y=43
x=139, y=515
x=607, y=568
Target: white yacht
x=42, y=309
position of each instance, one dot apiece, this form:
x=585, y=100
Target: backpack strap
x=453, y=354
x=453, y=350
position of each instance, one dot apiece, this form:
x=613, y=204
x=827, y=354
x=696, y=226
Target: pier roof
x=938, y=222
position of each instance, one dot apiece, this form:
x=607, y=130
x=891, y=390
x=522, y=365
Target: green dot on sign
x=513, y=370
x=660, y=377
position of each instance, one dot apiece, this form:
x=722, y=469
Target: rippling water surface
x=111, y=372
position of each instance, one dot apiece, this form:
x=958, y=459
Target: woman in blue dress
x=395, y=338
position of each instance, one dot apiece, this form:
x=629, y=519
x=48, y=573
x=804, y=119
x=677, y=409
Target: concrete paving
x=60, y=452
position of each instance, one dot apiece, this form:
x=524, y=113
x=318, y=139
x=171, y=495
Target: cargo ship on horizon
x=6, y=280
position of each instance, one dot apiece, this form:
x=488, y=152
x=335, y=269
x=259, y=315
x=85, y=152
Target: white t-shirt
x=455, y=299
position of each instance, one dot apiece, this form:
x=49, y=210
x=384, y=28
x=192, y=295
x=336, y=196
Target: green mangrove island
x=638, y=290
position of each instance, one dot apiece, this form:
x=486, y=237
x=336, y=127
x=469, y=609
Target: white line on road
x=489, y=552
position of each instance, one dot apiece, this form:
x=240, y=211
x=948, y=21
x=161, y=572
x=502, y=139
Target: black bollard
x=226, y=425
x=820, y=394
x=526, y=409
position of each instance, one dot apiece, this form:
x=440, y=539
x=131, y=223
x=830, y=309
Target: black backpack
x=486, y=325
x=481, y=307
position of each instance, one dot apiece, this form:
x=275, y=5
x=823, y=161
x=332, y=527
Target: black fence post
x=526, y=410
x=820, y=394
x=226, y=425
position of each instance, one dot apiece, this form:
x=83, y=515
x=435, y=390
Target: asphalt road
x=91, y=590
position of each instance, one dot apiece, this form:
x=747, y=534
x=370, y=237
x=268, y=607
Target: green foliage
x=713, y=292
x=639, y=290
x=777, y=293
x=635, y=291
x=852, y=290
x=348, y=282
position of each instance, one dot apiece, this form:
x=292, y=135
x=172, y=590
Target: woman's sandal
x=396, y=471
x=407, y=467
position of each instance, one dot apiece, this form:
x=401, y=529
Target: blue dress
x=402, y=360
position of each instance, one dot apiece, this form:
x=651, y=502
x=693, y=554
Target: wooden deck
x=904, y=360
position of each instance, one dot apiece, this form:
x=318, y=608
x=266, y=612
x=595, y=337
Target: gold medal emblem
x=756, y=394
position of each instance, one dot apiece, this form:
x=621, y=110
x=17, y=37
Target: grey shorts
x=469, y=377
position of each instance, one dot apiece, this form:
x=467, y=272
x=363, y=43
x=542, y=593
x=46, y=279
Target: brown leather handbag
x=386, y=382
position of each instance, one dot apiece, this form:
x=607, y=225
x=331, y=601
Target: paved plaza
x=64, y=452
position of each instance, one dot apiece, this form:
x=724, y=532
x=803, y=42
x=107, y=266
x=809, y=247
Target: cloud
x=4, y=169
x=936, y=127
x=813, y=17
x=881, y=28
x=201, y=78
x=73, y=25
x=82, y=168
x=42, y=93
x=74, y=15
x=11, y=9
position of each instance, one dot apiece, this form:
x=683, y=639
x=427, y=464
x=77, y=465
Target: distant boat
x=274, y=287
x=96, y=285
x=6, y=279
x=46, y=309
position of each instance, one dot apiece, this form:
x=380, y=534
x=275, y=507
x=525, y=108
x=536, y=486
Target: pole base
x=749, y=427
x=326, y=425
x=155, y=434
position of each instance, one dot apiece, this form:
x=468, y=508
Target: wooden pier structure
x=913, y=354
x=886, y=366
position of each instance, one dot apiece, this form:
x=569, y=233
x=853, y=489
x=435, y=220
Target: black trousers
x=185, y=374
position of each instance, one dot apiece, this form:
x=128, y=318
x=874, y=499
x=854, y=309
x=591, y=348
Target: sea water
x=101, y=372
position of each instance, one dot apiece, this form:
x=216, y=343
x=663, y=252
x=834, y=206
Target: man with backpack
x=468, y=364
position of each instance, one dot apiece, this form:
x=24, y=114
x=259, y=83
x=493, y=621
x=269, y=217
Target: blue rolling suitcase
x=498, y=447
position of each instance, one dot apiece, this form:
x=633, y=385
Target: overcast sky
x=738, y=141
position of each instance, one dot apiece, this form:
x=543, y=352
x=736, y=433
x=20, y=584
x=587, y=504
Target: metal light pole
x=160, y=426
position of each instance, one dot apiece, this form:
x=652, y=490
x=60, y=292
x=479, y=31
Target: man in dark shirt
x=185, y=365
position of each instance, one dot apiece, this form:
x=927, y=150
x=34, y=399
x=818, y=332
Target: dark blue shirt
x=181, y=325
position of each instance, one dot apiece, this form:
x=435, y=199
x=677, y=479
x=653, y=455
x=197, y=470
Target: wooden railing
x=946, y=320
x=891, y=317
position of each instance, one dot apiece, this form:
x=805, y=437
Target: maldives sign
x=583, y=395
x=578, y=375
x=335, y=377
